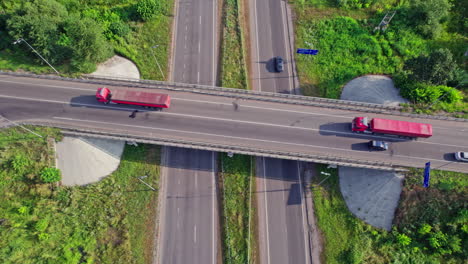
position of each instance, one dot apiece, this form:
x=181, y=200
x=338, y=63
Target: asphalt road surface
x=213, y=119
x=188, y=226
x=280, y=200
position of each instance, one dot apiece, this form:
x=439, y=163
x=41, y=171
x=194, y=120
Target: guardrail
x=127, y=136
x=243, y=94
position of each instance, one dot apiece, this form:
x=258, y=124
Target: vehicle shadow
x=364, y=146
x=344, y=130
x=89, y=101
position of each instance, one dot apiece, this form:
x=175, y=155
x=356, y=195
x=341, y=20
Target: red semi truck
x=133, y=97
x=391, y=127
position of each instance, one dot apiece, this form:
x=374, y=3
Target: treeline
x=74, y=33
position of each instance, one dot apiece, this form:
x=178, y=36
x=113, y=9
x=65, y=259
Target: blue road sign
x=427, y=174
x=307, y=51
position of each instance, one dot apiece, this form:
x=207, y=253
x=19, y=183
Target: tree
x=437, y=68
x=39, y=23
x=426, y=16
x=87, y=43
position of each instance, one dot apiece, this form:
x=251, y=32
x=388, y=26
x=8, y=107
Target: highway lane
x=189, y=217
x=213, y=119
x=269, y=36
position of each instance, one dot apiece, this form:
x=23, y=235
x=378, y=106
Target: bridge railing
x=123, y=135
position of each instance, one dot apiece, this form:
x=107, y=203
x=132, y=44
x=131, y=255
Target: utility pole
x=152, y=52
x=18, y=41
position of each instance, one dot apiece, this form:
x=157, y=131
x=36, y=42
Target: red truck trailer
x=391, y=127
x=133, y=97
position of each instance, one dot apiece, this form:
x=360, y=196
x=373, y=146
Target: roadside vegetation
x=430, y=226
x=111, y=221
x=349, y=46
x=238, y=183
x=75, y=35
x=233, y=65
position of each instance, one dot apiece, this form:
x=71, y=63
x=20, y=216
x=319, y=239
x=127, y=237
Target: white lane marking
x=286, y=44
x=199, y=47
x=256, y=45
x=231, y=137
x=227, y=120
x=178, y=211
x=200, y=20
x=214, y=207
x=304, y=226
x=213, y=71
x=195, y=234
x=266, y=211
x=196, y=180
x=201, y=101
x=50, y=86
x=178, y=181
x=198, y=77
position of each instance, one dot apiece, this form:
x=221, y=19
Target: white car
x=461, y=156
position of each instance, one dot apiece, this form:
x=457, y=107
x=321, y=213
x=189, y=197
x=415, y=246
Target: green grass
x=14, y=62
x=233, y=67
x=238, y=237
x=137, y=47
x=348, y=46
x=107, y=222
x=349, y=240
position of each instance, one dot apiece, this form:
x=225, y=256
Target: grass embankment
x=430, y=224
x=233, y=68
x=238, y=214
x=349, y=47
x=107, y=222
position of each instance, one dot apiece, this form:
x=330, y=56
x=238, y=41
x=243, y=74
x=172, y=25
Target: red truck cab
x=103, y=95
x=360, y=124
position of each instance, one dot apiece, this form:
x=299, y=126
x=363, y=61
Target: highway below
x=188, y=212
x=282, y=225
x=213, y=119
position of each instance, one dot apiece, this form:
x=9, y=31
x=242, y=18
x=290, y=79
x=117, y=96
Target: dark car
x=279, y=64
x=378, y=145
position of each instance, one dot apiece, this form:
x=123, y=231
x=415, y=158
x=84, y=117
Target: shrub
x=147, y=9
x=49, y=175
x=403, y=239
x=20, y=163
x=436, y=68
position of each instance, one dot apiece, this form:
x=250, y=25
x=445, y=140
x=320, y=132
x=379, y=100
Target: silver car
x=461, y=156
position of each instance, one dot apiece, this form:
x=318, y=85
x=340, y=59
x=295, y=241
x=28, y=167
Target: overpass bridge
x=230, y=120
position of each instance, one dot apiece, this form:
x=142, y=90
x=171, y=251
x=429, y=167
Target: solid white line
x=195, y=234
x=216, y=135
x=286, y=44
x=304, y=226
x=204, y=102
x=214, y=207
x=226, y=120
x=256, y=44
x=266, y=211
x=214, y=44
